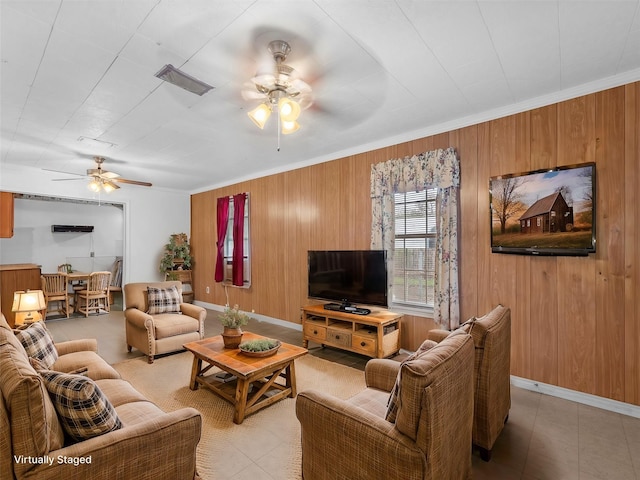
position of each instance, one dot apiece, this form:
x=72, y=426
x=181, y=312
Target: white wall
x=34, y=242
x=151, y=214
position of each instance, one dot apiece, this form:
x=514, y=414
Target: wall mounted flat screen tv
x=348, y=276
x=544, y=212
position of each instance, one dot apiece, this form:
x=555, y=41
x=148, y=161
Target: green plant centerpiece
x=233, y=320
x=177, y=255
x=261, y=347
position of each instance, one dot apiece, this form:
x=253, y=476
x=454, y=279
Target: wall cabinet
x=376, y=335
x=6, y=214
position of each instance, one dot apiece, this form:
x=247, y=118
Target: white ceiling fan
x=100, y=179
x=279, y=89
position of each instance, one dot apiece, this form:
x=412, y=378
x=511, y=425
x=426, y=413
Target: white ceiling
x=382, y=72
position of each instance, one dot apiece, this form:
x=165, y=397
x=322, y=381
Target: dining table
x=77, y=276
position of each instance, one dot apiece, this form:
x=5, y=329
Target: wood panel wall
x=576, y=320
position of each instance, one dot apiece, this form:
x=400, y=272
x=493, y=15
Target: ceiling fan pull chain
x=278, y=130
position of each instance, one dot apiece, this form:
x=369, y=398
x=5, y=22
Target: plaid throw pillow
x=83, y=410
x=38, y=343
x=392, y=404
x=163, y=300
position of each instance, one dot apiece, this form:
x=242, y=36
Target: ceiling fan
x=100, y=179
x=280, y=89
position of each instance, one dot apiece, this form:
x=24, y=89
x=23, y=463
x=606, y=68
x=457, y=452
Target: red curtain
x=223, y=218
x=238, y=239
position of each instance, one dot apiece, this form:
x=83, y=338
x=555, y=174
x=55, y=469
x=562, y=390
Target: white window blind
x=414, y=251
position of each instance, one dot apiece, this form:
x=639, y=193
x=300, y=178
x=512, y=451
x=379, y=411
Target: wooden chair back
x=99, y=282
x=54, y=284
x=54, y=288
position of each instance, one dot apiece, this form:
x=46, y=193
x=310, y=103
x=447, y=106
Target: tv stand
x=346, y=307
x=376, y=334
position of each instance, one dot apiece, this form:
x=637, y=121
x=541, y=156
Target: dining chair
x=54, y=288
x=95, y=296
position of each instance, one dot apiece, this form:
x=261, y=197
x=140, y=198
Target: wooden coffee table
x=251, y=382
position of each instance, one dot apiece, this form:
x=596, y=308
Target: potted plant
x=232, y=320
x=177, y=255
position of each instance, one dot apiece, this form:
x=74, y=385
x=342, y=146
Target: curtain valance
x=437, y=168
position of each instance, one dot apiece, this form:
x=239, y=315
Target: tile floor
x=546, y=438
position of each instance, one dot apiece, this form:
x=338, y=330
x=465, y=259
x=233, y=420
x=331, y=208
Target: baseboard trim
x=578, y=397
x=257, y=316
x=525, y=383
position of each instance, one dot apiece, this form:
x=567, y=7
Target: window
x=414, y=251
x=228, y=247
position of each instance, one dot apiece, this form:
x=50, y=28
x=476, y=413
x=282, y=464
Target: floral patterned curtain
x=435, y=169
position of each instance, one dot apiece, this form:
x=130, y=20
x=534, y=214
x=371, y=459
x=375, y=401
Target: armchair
x=430, y=437
x=492, y=369
x=159, y=333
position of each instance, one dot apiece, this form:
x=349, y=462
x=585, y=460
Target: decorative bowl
x=262, y=353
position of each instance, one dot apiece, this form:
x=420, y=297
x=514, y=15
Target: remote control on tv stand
x=346, y=308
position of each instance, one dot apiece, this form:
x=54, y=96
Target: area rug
x=266, y=441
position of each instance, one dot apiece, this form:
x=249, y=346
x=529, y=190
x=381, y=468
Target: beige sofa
x=430, y=437
x=492, y=369
x=160, y=333
x=151, y=444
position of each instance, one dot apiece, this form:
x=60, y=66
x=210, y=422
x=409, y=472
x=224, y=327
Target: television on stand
x=348, y=278
x=544, y=212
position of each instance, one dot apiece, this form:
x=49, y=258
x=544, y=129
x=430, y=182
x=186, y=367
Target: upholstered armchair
x=157, y=320
x=492, y=369
x=429, y=438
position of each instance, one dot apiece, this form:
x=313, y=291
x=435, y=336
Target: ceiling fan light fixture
x=260, y=115
x=94, y=185
x=282, y=90
x=290, y=127
x=288, y=109
x=108, y=186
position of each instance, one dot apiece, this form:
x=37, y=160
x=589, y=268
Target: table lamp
x=27, y=306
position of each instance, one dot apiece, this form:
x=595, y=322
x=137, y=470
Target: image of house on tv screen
x=552, y=209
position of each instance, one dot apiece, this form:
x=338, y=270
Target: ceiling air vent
x=71, y=228
x=171, y=74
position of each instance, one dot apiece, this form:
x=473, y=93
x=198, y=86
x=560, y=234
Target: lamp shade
x=288, y=109
x=290, y=127
x=28, y=301
x=109, y=186
x=260, y=115
x=27, y=306
x=94, y=185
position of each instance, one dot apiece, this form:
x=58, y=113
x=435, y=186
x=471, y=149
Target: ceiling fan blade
x=66, y=179
x=132, y=182
x=253, y=95
x=109, y=175
x=66, y=173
